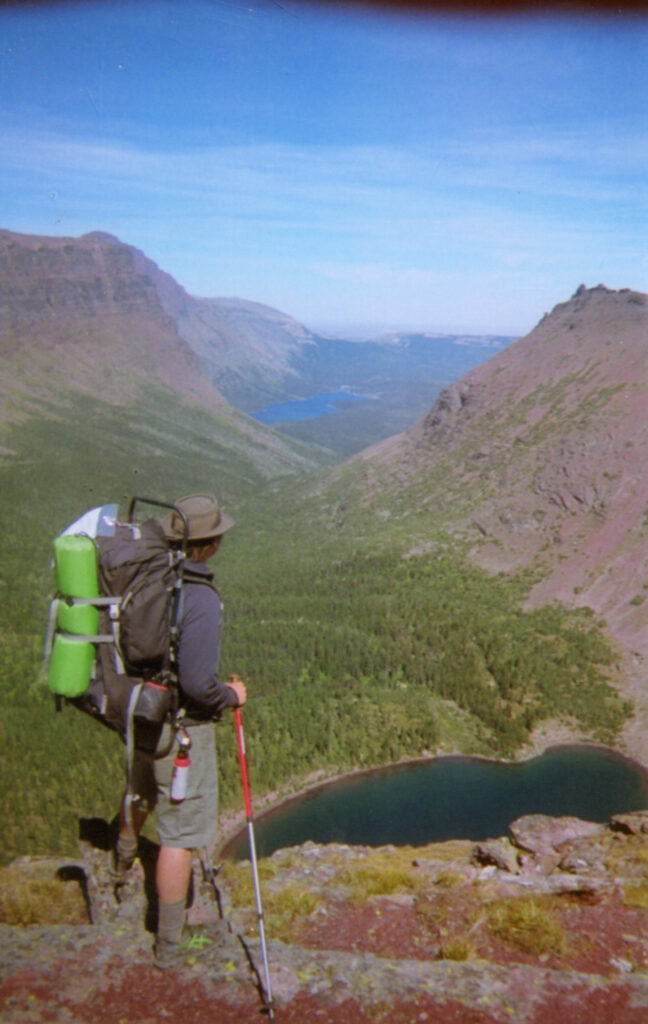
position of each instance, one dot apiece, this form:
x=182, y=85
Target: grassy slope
x=354, y=654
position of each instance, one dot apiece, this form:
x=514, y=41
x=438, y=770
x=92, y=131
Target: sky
x=358, y=168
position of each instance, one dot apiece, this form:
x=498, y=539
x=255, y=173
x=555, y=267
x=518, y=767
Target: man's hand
x=239, y=688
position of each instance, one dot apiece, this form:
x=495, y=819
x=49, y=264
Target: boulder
x=541, y=834
x=499, y=852
x=635, y=823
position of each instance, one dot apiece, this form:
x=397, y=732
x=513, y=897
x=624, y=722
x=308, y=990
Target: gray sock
x=170, y=922
x=126, y=849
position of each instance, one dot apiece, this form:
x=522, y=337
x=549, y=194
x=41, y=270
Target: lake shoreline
x=233, y=823
x=324, y=403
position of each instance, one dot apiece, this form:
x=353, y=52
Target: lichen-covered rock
x=542, y=834
x=635, y=823
x=499, y=852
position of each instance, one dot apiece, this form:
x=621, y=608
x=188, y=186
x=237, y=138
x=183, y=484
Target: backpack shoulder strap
x=192, y=575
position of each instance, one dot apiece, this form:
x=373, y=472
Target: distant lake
x=452, y=798
x=307, y=408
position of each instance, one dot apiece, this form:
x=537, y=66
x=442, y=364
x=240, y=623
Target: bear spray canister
x=181, y=764
x=72, y=657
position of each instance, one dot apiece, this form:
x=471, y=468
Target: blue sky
x=348, y=166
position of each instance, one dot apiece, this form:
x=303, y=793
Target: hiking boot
x=199, y=940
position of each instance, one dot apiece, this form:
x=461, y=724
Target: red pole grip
x=240, y=742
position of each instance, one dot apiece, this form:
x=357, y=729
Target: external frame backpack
x=113, y=625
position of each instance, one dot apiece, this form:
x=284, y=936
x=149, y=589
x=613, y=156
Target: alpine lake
x=451, y=797
x=322, y=404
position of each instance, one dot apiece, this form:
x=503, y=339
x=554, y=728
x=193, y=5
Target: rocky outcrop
x=451, y=414
x=546, y=925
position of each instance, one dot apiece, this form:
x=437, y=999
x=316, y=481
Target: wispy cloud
x=339, y=159
x=364, y=181
x=375, y=219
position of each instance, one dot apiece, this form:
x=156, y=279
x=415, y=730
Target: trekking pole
x=238, y=719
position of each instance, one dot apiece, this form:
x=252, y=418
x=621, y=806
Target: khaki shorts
x=193, y=822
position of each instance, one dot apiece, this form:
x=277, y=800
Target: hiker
x=191, y=823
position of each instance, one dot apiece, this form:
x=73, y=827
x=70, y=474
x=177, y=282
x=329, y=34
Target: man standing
x=191, y=823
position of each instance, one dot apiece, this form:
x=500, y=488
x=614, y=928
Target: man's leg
x=173, y=875
x=131, y=823
x=183, y=827
x=140, y=797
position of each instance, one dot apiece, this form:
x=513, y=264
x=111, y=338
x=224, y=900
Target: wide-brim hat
x=204, y=518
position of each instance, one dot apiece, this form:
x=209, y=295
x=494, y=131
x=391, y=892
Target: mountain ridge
x=62, y=297
x=81, y=320
x=592, y=388
x=72, y=308
x=69, y=282
x=536, y=460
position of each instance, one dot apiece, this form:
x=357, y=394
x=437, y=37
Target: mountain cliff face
x=72, y=291
x=538, y=458
x=93, y=317
x=245, y=348
x=78, y=311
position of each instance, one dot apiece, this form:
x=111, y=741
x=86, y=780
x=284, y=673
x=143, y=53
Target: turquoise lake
x=452, y=798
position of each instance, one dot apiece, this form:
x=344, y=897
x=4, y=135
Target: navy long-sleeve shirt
x=205, y=696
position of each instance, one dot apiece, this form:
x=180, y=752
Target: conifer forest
x=356, y=652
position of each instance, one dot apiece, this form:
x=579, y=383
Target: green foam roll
x=77, y=618
x=70, y=666
x=75, y=564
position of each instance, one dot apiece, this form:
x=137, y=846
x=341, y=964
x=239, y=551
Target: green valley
x=355, y=653
x=358, y=604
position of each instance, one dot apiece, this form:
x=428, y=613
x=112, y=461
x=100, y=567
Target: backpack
x=113, y=625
